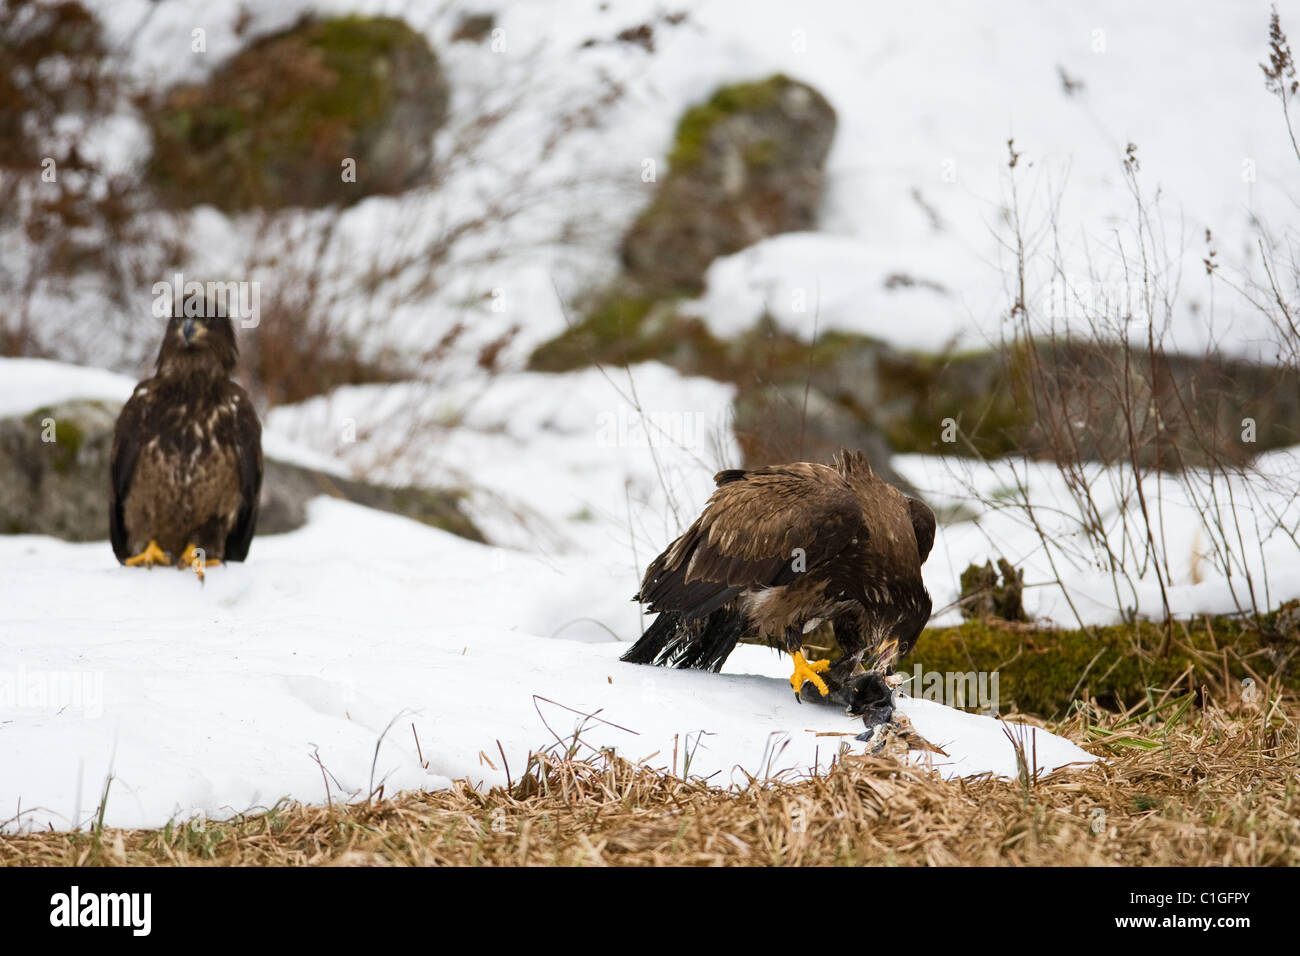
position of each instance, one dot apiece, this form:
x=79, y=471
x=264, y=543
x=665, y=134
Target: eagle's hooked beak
x=188, y=330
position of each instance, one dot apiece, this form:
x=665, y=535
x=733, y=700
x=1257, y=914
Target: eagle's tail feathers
x=652, y=642
x=691, y=644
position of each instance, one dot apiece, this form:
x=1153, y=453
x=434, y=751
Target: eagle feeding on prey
x=779, y=550
x=186, y=466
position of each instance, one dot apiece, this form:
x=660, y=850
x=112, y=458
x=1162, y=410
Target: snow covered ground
x=1195, y=522
x=219, y=698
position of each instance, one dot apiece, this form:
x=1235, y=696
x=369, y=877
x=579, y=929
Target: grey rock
x=54, y=471
x=745, y=165
x=59, y=487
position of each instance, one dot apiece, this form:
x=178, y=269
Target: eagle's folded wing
x=759, y=529
x=126, y=449
x=248, y=437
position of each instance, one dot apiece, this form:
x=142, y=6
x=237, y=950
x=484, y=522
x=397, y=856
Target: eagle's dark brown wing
x=248, y=441
x=126, y=449
x=759, y=529
x=923, y=525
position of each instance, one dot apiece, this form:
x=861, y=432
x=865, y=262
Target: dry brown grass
x=1213, y=786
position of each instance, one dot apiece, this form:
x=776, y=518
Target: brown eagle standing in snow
x=186, y=465
x=779, y=550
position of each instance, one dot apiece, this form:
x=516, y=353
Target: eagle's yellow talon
x=148, y=557
x=194, y=558
x=805, y=670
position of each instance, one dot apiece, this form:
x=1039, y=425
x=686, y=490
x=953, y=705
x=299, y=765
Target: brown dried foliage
x=1218, y=790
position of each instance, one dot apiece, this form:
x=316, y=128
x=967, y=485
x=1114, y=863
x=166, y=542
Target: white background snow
x=927, y=95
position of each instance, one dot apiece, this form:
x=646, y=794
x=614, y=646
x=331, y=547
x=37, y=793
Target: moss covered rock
x=800, y=400
x=978, y=402
x=54, y=471
x=54, y=465
x=744, y=165
x=624, y=326
x=747, y=164
x=1043, y=671
x=275, y=124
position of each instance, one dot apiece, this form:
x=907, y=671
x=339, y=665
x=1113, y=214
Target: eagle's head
x=198, y=344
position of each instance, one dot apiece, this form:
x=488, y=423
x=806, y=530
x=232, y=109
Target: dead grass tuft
x=1217, y=786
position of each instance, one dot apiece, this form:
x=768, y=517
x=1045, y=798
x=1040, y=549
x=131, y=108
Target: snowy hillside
x=926, y=96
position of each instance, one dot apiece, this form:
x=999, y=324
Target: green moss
x=762, y=153
x=360, y=36
x=1044, y=671
x=306, y=96
x=989, y=590
x=350, y=48
x=618, y=318
x=68, y=439
x=693, y=130
x=611, y=329
x=629, y=329
x=68, y=436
